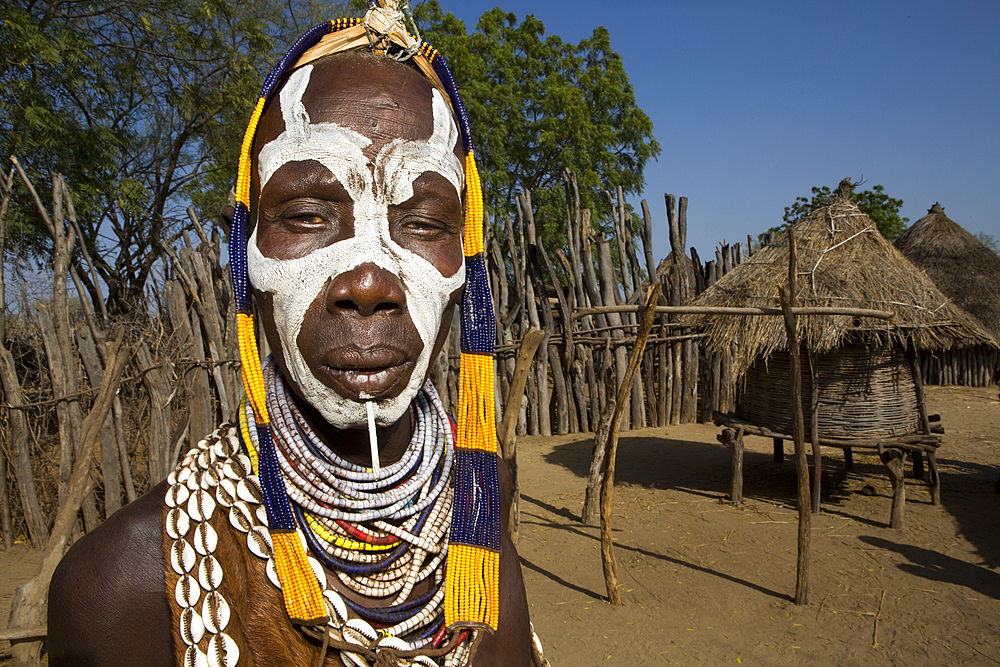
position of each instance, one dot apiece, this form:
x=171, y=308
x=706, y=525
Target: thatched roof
x=842, y=261
x=961, y=265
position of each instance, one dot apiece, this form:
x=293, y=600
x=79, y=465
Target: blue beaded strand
x=478, y=325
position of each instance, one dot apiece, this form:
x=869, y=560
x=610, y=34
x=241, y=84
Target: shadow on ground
x=704, y=469
x=936, y=566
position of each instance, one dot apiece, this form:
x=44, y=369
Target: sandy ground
x=707, y=583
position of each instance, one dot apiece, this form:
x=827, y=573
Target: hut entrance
x=865, y=392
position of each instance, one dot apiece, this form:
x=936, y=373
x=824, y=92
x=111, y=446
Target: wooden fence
x=182, y=378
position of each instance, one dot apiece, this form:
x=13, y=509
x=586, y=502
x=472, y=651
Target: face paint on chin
x=294, y=284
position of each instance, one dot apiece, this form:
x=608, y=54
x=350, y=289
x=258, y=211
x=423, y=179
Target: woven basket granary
x=865, y=392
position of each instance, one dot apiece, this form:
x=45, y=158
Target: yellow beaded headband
x=472, y=575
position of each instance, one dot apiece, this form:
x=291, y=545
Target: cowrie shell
x=238, y=467
x=202, y=444
x=209, y=573
x=201, y=505
x=272, y=573
x=194, y=657
x=172, y=478
x=187, y=592
x=182, y=557
x=222, y=651
x=394, y=643
x=259, y=542
x=424, y=661
x=215, y=612
x=226, y=492
x=353, y=636
x=211, y=478
x=205, y=539
x=178, y=523
x=262, y=515
x=240, y=516
x=205, y=459
x=192, y=628
x=219, y=450
x=183, y=474
x=249, y=490
x=177, y=495
x=338, y=607
x=353, y=657
x=362, y=627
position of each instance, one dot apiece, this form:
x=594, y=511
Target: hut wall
x=864, y=393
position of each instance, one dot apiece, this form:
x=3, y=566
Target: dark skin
x=107, y=601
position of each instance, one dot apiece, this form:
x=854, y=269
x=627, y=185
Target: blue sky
x=754, y=103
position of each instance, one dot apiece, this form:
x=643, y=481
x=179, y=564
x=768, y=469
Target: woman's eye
x=308, y=219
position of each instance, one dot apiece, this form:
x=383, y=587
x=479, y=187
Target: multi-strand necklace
x=383, y=534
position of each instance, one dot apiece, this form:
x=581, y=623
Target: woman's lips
x=375, y=379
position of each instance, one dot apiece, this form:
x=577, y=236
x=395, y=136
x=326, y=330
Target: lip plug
x=373, y=438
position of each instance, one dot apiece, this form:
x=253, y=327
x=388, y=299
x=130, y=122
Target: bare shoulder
x=107, y=602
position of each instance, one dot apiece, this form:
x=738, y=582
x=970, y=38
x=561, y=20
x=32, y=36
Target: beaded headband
x=472, y=576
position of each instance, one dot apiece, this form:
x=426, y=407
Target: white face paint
x=296, y=283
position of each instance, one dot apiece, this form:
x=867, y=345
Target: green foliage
x=536, y=105
x=989, y=241
x=141, y=106
x=880, y=207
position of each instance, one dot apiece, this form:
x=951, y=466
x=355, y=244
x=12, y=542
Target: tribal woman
x=345, y=518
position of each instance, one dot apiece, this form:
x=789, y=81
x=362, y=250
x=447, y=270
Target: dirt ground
x=707, y=583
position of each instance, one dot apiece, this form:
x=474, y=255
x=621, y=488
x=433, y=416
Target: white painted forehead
x=340, y=148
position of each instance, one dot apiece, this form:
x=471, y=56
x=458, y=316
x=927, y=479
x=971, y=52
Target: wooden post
x=608, y=288
x=5, y=519
x=158, y=386
x=561, y=364
x=733, y=439
x=109, y=448
x=817, y=479
x=779, y=450
x=506, y=435
x=925, y=424
x=607, y=486
x=894, y=461
x=798, y=427
x=33, y=515
x=541, y=383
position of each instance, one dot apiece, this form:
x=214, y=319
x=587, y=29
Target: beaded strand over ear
x=472, y=573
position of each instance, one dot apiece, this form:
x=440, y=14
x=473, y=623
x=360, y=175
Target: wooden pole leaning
x=798, y=428
x=507, y=433
x=607, y=488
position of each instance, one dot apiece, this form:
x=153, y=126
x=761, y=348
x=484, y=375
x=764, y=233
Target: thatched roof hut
x=960, y=265
x=864, y=376
x=843, y=261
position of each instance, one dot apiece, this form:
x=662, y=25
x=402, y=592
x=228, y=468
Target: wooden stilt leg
x=779, y=450
x=935, y=481
x=918, y=465
x=848, y=459
x=737, y=452
x=734, y=440
x=894, y=462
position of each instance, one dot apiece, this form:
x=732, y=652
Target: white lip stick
x=373, y=438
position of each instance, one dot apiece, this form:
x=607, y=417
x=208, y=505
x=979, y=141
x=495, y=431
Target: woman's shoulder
x=107, y=598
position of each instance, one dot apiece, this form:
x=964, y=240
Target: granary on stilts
x=968, y=273
x=865, y=371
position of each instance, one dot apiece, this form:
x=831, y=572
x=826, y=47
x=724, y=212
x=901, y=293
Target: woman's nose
x=367, y=289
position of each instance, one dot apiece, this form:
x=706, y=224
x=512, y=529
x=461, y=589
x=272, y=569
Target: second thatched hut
x=968, y=273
